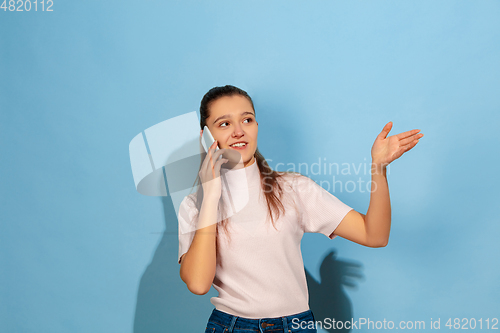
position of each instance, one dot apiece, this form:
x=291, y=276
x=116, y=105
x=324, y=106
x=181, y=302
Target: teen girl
x=253, y=258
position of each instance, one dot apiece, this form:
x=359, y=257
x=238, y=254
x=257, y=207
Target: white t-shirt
x=262, y=273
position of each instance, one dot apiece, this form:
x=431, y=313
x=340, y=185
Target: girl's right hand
x=210, y=173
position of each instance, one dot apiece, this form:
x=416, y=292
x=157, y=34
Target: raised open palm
x=387, y=149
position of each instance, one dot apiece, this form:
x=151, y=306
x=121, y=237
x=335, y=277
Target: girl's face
x=232, y=121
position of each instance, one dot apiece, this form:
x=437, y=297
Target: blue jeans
x=222, y=322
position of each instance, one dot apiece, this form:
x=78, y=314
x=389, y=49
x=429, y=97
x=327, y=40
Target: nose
x=238, y=131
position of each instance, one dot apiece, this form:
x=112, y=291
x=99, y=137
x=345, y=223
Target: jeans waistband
x=232, y=322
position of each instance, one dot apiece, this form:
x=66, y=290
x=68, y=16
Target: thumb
x=387, y=128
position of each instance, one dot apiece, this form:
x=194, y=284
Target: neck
x=252, y=161
x=239, y=165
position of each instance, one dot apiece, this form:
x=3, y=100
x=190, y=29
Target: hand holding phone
x=233, y=156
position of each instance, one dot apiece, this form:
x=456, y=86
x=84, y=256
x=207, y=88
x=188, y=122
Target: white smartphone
x=207, y=139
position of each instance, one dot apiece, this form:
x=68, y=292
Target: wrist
x=378, y=167
x=210, y=199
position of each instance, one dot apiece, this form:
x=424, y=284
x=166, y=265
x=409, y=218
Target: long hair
x=270, y=179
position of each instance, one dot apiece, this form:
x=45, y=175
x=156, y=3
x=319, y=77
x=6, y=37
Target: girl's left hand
x=387, y=149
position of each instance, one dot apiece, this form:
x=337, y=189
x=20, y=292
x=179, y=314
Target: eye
x=249, y=120
x=225, y=122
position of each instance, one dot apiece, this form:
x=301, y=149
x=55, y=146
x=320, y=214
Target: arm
x=373, y=228
x=198, y=263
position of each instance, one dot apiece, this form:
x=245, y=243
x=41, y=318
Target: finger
x=211, y=156
x=411, y=144
x=212, y=166
x=208, y=156
x=211, y=149
x=385, y=130
x=404, y=149
x=407, y=134
x=215, y=161
x=407, y=147
x=218, y=153
x=218, y=165
x=410, y=139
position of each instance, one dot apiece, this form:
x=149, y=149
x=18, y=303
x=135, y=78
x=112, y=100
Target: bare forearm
x=378, y=216
x=199, y=262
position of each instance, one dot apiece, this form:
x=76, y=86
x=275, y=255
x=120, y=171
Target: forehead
x=230, y=105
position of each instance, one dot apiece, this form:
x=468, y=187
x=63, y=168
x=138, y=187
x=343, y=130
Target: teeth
x=239, y=144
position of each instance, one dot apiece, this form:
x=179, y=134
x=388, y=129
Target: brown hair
x=270, y=179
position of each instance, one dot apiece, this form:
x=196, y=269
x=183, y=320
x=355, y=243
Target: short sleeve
x=320, y=211
x=187, y=218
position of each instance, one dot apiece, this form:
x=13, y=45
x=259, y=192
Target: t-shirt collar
x=236, y=177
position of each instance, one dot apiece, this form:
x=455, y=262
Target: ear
x=201, y=132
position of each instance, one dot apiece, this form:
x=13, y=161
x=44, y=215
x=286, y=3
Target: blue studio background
x=82, y=251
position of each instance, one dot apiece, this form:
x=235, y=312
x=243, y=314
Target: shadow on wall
x=327, y=298
x=164, y=304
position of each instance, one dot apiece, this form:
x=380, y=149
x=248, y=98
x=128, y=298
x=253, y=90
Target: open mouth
x=239, y=145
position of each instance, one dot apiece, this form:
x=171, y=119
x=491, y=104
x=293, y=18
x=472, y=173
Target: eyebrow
x=227, y=116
